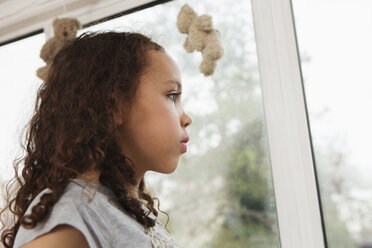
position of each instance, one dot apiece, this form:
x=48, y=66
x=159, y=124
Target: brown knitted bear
x=201, y=36
x=65, y=30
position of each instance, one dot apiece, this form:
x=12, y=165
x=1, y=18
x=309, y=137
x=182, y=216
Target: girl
x=109, y=110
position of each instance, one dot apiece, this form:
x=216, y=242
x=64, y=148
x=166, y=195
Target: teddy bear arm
x=47, y=52
x=213, y=51
x=42, y=72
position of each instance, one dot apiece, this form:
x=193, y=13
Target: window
x=18, y=64
x=335, y=56
x=221, y=194
x=251, y=131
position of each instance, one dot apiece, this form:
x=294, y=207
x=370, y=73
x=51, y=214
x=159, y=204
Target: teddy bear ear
x=187, y=8
x=55, y=21
x=77, y=23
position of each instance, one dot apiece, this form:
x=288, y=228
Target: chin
x=168, y=170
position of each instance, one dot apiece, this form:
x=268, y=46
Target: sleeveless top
x=90, y=207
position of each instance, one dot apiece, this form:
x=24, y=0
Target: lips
x=183, y=144
x=185, y=140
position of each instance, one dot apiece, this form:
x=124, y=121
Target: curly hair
x=72, y=129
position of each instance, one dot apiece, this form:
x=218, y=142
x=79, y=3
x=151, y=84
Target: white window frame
x=19, y=18
x=289, y=138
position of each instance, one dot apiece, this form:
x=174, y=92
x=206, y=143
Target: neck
x=93, y=175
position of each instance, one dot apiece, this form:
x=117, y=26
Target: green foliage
x=248, y=210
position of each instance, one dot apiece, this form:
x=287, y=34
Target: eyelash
x=176, y=95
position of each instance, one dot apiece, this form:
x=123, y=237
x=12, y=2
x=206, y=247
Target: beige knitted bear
x=65, y=30
x=201, y=36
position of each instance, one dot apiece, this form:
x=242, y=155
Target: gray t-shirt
x=91, y=208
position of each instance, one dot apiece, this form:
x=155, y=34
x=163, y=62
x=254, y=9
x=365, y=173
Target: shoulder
x=58, y=237
x=88, y=210
x=72, y=216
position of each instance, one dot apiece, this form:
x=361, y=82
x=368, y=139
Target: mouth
x=183, y=145
x=185, y=140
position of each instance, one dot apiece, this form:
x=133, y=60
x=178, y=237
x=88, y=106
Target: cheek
x=156, y=124
x=169, y=117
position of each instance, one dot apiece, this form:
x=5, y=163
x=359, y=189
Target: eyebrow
x=177, y=83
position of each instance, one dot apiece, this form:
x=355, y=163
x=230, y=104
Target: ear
x=122, y=113
x=118, y=117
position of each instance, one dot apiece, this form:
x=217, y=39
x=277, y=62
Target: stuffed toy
x=65, y=30
x=201, y=37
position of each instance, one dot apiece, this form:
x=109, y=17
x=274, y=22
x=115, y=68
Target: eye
x=174, y=96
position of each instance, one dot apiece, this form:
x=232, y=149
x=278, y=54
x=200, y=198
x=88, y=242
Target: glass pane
x=335, y=49
x=18, y=64
x=221, y=195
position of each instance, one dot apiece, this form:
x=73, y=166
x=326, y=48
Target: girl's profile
x=109, y=111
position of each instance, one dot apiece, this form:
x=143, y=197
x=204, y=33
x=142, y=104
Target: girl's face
x=150, y=134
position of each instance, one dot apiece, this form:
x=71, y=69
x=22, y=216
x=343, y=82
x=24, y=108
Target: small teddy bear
x=201, y=36
x=65, y=30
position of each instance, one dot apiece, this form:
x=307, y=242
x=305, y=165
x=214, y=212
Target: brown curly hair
x=72, y=129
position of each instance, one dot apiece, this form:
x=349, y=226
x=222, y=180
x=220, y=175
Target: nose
x=186, y=120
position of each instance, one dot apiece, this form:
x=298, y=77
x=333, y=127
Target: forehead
x=173, y=82
x=162, y=69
